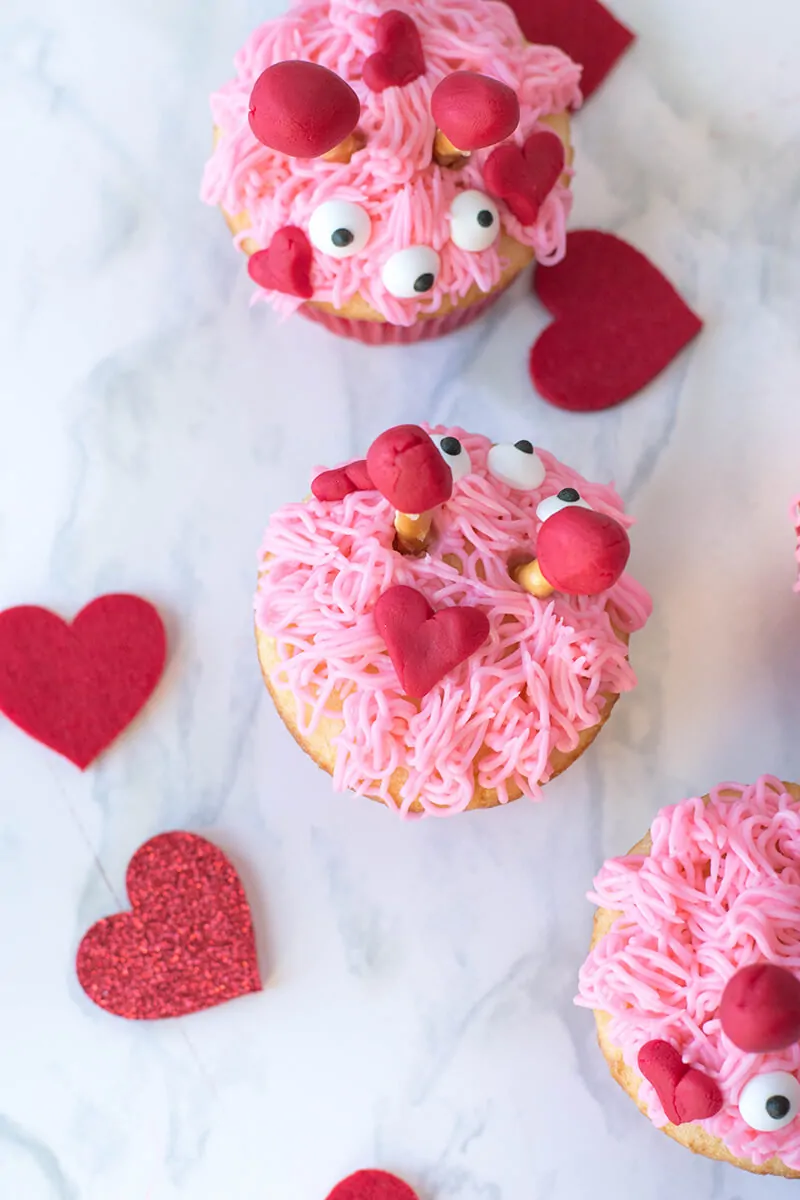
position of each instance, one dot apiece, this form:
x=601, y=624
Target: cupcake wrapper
x=381, y=333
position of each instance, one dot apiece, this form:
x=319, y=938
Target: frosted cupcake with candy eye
x=390, y=171
x=694, y=974
x=444, y=624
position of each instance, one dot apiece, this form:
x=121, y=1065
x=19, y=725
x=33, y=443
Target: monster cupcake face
x=399, y=637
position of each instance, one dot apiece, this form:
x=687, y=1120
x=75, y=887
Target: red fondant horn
x=582, y=552
x=474, y=110
x=760, y=1008
x=302, y=109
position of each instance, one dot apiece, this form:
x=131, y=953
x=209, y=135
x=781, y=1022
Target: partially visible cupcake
x=694, y=974
x=391, y=170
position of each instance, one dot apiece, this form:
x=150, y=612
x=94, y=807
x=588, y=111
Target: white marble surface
x=417, y=1014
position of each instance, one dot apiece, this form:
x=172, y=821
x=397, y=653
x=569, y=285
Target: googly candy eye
x=339, y=228
x=568, y=497
x=770, y=1101
x=518, y=465
x=454, y=454
x=474, y=221
x=411, y=272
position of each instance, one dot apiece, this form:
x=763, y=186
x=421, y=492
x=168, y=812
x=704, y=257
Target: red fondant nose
x=405, y=466
x=760, y=1008
x=302, y=109
x=582, y=552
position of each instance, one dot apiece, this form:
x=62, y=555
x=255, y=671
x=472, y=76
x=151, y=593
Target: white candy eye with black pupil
x=770, y=1101
x=519, y=465
x=474, y=221
x=568, y=497
x=454, y=455
x=339, y=228
x=410, y=273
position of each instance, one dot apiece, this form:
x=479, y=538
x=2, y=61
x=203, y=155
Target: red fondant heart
x=474, y=110
x=583, y=29
x=618, y=324
x=341, y=481
x=285, y=266
x=696, y=1097
x=302, y=109
x=372, y=1185
x=398, y=59
x=405, y=466
x=188, y=942
x=425, y=646
x=76, y=686
x=524, y=178
x=760, y=1008
x=686, y=1094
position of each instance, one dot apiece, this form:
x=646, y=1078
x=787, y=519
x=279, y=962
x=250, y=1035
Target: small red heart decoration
x=583, y=29
x=188, y=942
x=424, y=646
x=524, y=178
x=696, y=1097
x=341, y=481
x=760, y=1008
x=285, y=266
x=407, y=469
x=474, y=110
x=398, y=59
x=76, y=686
x=372, y=1185
x=618, y=324
x=302, y=109
x=686, y=1094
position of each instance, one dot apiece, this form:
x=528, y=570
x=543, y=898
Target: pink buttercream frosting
x=795, y=516
x=406, y=194
x=719, y=890
x=532, y=688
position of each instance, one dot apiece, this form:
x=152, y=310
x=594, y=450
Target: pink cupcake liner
x=381, y=333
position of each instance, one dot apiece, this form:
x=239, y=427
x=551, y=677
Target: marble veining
x=417, y=1015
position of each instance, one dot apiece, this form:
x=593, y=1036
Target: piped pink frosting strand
x=532, y=688
x=407, y=196
x=720, y=889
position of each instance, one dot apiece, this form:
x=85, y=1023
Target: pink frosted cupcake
x=390, y=170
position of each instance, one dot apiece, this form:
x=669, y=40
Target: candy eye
x=519, y=465
x=454, y=455
x=411, y=272
x=568, y=497
x=339, y=228
x=474, y=221
x=770, y=1101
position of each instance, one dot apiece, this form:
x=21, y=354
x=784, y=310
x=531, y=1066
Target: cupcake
x=444, y=625
x=390, y=171
x=694, y=974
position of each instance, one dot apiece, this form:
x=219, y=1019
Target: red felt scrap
x=341, y=481
x=424, y=646
x=524, y=177
x=618, y=324
x=582, y=552
x=474, y=110
x=302, y=109
x=372, y=1185
x=398, y=59
x=686, y=1094
x=186, y=944
x=405, y=466
x=583, y=29
x=76, y=686
x=760, y=1008
x=285, y=266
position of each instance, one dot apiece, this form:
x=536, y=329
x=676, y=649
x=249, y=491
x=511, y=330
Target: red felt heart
x=474, y=110
x=583, y=29
x=341, y=481
x=405, y=466
x=524, y=178
x=285, y=266
x=686, y=1094
x=76, y=686
x=188, y=942
x=424, y=646
x=372, y=1185
x=618, y=324
x=398, y=59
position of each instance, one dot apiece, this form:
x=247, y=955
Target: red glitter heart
x=405, y=466
x=341, y=481
x=583, y=29
x=424, y=646
x=524, y=178
x=686, y=1094
x=372, y=1185
x=398, y=59
x=76, y=686
x=285, y=266
x=186, y=945
x=618, y=324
